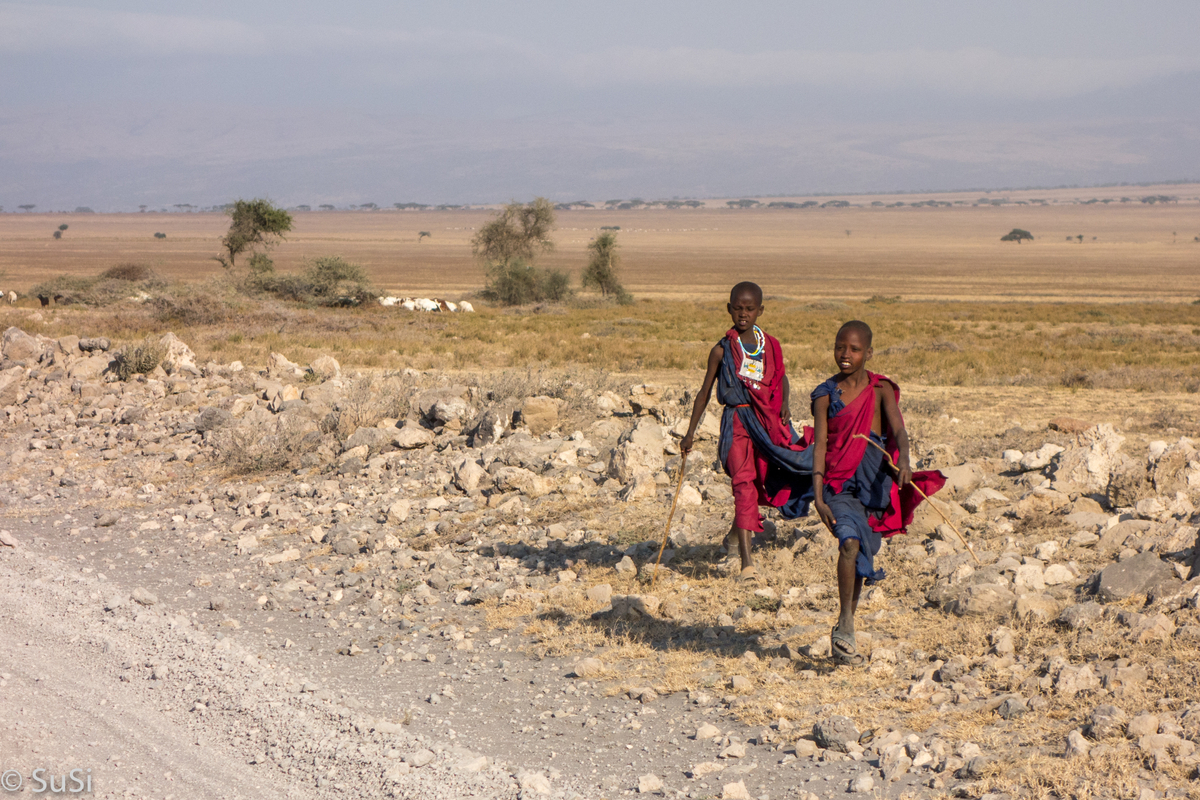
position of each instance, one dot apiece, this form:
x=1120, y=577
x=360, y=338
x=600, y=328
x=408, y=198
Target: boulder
x=1175, y=469
x=836, y=733
x=645, y=398
x=1141, y=574
x=1087, y=467
x=984, y=599
x=630, y=459
x=375, y=439
x=1040, y=458
x=412, y=436
x=963, y=479
x=540, y=414
x=490, y=425
x=468, y=474
x=177, y=356
x=280, y=366
x=88, y=368
x=211, y=418
x=982, y=499
x=11, y=381
x=1107, y=721
x=325, y=367
x=17, y=345
x=91, y=345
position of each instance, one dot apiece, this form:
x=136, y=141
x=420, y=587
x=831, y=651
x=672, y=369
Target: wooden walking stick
x=892, y=464
x=670, y=516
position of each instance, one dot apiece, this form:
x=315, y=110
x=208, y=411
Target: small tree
x=1017, y=235
x=601, y=271
x=27, y=207
x=423, y=235
x=508, y=246
x=519, y=231
x=58, y=234
x=254, y=223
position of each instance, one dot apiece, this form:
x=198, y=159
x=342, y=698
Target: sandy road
x=104, y=686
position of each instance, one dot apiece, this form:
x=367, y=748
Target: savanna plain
x=1056, y=379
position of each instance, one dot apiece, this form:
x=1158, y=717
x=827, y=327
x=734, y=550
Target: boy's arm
x=785, y=413
x=714, y=363
x=821, y=433
x=896, y=423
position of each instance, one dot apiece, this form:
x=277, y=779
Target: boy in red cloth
x=759, y=449
x=854, y=493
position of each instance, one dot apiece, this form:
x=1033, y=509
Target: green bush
x=139, y=359
x=327, y=281
x=519, y=283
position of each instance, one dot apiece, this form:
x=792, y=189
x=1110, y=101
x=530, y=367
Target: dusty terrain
x=1131, y=251
x=297, y=582
x=423, y=572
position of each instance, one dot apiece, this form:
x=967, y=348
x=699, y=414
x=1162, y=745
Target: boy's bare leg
x=849, y=583
x=743, y=537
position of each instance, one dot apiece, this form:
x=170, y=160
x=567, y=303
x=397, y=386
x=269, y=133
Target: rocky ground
x=292, y=582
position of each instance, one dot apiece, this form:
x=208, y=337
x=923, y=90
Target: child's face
x=744, y=311
x=850, y=352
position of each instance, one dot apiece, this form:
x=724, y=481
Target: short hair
x=857, y=325
x=746, y=286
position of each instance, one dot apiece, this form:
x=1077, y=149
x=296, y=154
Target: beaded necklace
x=760, y=342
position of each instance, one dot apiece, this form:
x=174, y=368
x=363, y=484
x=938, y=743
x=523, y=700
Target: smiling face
x=744, y=310
x=851, y=351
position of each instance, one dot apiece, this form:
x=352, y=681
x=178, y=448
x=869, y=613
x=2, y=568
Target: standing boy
x=759, y=449
x=854, y=493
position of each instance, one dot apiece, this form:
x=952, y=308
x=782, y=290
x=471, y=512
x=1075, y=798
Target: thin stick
x=667, y=530
x=892, y=464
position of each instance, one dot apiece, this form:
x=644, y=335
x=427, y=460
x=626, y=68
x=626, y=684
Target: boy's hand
x=905, y=471
x=826, y=514
x=785, y=414
x=686, y=445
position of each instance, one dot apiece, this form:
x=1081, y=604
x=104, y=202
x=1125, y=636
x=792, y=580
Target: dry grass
x=674, y=654
x=933, y=253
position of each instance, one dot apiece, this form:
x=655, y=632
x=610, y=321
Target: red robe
x=844, y=452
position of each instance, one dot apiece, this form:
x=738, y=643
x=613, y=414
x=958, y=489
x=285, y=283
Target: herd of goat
x=407, y=303
x=425, y=304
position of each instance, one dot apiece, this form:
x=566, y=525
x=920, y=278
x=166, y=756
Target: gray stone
x=1012, y=708
x=835, y=733
x=211, y=418
x=374, y=439
x=93, y=344
x=17, y=345
x=1141, y=574
x=1081, y=615
x=143, y=596
x=325, y=367
x=412, y=437
x=1107, y=720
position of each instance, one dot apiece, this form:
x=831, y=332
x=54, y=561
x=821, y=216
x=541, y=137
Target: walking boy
x=854, y=493
x=759, y=449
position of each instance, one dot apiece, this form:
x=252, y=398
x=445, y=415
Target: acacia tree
x=520, y=231
x=253, y=223
x=601, y=271
x=1016, y=235
x=508, y=247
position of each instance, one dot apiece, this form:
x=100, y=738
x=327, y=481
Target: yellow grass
x=919, y=253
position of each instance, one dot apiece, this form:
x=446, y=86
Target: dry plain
x=991, y=341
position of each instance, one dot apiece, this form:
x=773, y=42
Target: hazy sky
x=112, y=104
